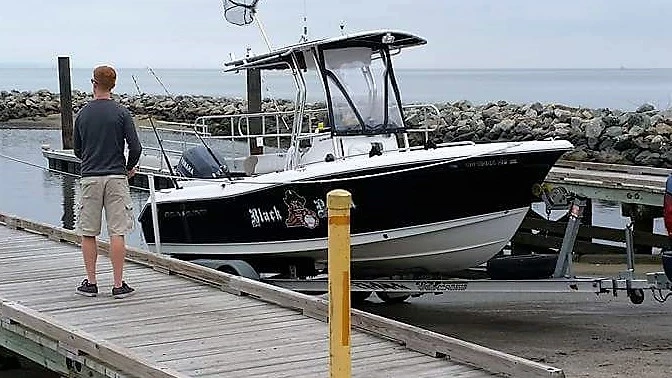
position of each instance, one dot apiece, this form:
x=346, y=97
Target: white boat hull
x=434, y=248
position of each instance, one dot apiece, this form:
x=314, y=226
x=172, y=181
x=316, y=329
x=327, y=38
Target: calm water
x=37, y=194
x=34, y=193
x=597, y=88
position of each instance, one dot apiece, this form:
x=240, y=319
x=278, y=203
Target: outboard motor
x=198, y=162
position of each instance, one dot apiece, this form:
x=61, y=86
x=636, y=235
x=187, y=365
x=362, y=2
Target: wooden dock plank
x=191, y=319
x=177, y=326
x=605, y=167
x=409, y=368
x=267, y=361
x=360, y=352
x=58, y=286
x=611, y=178
x=395, y=365
x=244, y=331
x=108, y=312
x=265, y=340
x=35, y=249
x=65, y=303
x=231, y=337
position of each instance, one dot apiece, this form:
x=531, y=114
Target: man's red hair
x=105, y=77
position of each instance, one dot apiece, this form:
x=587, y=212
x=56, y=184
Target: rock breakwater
x=642, y=137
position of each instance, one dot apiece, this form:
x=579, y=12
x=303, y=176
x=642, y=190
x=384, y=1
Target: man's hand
x=131, y=173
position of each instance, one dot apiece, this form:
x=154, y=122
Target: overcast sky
x=460, y=33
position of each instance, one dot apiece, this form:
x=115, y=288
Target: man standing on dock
x=101, y=128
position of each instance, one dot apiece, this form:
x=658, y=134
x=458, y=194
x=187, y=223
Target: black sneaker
x=123, y=291
x=87, y=289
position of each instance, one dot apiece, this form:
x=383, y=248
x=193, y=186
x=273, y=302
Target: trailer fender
x=235, y=267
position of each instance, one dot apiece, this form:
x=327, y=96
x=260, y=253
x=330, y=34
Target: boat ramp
x=190, y=321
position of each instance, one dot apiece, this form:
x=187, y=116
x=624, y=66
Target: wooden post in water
x=254, y=106
x=68, y=218
x=338, y=204
x=66, y=101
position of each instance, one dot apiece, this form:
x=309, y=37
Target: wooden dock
x=65, y=161
x=612, y=182
x=190, y=321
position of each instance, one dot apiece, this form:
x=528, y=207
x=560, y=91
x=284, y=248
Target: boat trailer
x=393, y=290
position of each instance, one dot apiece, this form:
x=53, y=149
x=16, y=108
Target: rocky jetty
x=17, y=105
x=640, y=137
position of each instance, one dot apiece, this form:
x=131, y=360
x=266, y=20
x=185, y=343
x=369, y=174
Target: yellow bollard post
x=338, y=203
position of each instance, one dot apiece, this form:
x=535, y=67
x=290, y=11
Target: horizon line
x=40, y=66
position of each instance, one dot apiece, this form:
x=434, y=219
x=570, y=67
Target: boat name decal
x=259, y=217
x=298, y=214
x=441, y=286
x=321, y=208
x=184, y=213
x=490, y=163
x=431, y=286
x=378, y=285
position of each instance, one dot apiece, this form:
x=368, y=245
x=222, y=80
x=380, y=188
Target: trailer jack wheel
x=636, y=296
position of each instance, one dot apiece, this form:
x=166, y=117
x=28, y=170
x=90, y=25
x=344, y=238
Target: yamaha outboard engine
x=198, y=162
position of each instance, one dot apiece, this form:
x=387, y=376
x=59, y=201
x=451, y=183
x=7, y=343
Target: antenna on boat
x=304, y=36
x=222, y=168
x=158, y=139
x=244, y=12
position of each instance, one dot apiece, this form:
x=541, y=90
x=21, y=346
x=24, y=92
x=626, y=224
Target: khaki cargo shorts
x=110, y=193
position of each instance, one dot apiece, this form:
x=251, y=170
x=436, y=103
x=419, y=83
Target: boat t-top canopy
x=360, y=87
x=281, y=59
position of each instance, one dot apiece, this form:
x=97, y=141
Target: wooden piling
x=66, y=101
x=254, y=106
x=68, y=218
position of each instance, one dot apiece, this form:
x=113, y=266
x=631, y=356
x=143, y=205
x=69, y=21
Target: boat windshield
x=363, y=96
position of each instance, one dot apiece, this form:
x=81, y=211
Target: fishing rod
x=223, y=169
x=158, y=139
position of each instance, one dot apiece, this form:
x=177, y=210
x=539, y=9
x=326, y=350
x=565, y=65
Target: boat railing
x=422, y=118
x=271, y=129
x=275, y=126
x=176, y=138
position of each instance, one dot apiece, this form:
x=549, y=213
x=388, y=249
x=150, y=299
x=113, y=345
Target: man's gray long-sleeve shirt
x=101, y=128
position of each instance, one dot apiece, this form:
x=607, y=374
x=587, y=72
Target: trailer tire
x=636, y=296
x=392, y=298
x=522, y=267
x=233, y=267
